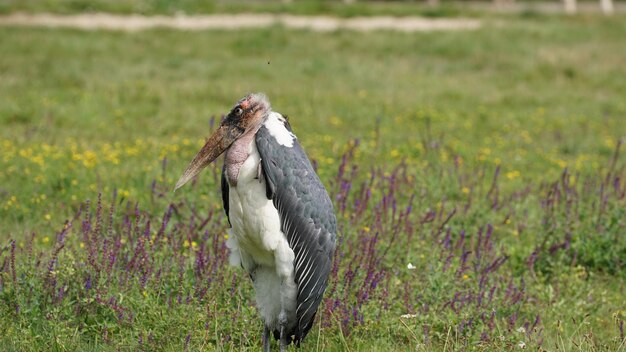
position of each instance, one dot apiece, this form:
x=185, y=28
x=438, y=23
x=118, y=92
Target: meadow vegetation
x=198, y=7
x=478, y=177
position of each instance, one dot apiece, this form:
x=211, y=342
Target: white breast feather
x=275, y=124
x=257, y=242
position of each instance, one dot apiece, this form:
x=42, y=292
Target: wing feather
x=307, y=220
x=225, y=193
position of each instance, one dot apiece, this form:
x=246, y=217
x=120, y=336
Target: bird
x=283, y=228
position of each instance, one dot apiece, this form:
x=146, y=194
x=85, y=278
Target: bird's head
x=245, y=117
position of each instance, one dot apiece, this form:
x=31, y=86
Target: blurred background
x=474, y=151
x=310, y=7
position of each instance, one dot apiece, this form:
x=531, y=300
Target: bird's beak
x=219, y=141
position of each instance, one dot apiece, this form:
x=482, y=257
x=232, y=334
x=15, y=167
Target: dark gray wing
x=225, y=192
x=307, y=219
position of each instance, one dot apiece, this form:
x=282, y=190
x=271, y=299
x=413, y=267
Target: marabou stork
x=283, y=227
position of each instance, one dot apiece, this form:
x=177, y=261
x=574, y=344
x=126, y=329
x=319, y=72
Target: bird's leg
x=266, y=338
x=282, y=321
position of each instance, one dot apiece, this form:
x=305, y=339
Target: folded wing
x=307, y=219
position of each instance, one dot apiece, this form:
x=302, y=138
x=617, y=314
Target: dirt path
x=95, y=21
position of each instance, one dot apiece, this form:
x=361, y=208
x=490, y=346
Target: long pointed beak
x=219, y=141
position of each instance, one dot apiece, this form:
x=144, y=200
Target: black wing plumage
x=307, y=219
x=225, y=193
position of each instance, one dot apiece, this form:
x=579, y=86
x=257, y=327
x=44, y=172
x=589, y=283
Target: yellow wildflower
x=511, y=175
x=89, y=159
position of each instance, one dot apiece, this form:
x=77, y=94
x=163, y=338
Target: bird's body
x=256, y=240
x=283, y=227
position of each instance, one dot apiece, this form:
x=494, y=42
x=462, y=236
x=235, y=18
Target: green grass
x=89, y=112
x=168, y=7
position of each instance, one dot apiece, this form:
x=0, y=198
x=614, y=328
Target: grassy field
x=488, y=160
x=169, y=7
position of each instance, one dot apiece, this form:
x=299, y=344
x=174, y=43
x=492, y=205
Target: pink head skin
x=246, y=117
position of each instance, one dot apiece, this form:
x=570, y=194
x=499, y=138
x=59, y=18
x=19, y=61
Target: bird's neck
x=236, y=155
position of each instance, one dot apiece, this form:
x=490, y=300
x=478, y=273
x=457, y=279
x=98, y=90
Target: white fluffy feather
x=275, y=124
x=257, y=242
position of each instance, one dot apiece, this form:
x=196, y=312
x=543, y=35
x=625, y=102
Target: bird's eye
x=238, y=111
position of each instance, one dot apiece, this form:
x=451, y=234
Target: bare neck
x=237, y=154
